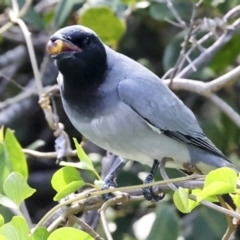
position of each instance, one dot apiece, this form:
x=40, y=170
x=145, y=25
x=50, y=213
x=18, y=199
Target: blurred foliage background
x=142, y=31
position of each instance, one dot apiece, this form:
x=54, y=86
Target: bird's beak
x=60, y=45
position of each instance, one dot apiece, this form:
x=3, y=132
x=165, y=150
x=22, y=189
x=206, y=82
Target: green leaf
x=166, y=225
x=219, y=181
x=1, y=220
x=2, y=237
x=128, y=1
x=79, y=165
x=161, y=12
x=48, y=17
x=17, y=229
x=193, y=204
x=180, y=199
x=104, y=22
x=85, y=160
x=35, y=19
x=15, y=155
x=5, y=166
x=32, y=17
x=226, y=56
x=186, y=205
x=63, y=11
x=65, y=176
x=12, y=157
x=2, y=134
x=40, y=234
x=216, y=188
x=223, y=174
x=16, y=188
x=68, y=233
x=7, y=202
x=70, y=188
x=65, y=181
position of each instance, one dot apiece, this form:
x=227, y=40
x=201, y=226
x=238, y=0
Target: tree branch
x=231, y=30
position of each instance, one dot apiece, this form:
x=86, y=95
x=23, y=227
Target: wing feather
x=159, y=107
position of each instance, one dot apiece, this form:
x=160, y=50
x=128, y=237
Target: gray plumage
x=136, y=116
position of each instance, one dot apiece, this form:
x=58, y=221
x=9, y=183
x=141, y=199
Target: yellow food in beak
x=60, y=46
x=55, y=47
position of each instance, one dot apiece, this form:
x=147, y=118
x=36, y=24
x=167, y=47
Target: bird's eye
x=87, y=41
x=68, y=38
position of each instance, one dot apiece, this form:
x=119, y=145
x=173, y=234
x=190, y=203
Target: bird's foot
x=109, y=182
x=148, y=192
x=191, y=168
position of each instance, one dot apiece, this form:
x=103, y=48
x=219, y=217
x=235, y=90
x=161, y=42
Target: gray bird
x=126, y=109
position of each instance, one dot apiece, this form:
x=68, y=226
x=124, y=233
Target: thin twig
x=193, y=47
x=227, y=109
x=231, y=227
x=119, y=199
x=210, y=51
x=25, y=213
x=105, y=226
x=17, y=14
x=207, y=89
x=27, y=36
x=93, y=192
x=19, y=97
x=184, y=48
x=164, y=174
x=86, y=227
x=175, y=13
x=232, y=13
x=222, y=81
x=47, y=155
x=192, y=197
x=56, y=223
x=215, y=207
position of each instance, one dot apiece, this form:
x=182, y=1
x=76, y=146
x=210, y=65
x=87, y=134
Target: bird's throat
x=81, y=74
x=80, y=85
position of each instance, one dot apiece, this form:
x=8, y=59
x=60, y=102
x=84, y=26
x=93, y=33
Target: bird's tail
x=230, y=165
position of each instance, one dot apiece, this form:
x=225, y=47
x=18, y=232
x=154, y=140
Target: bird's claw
x=148, y=192
x=191, y=168
x=149, y=195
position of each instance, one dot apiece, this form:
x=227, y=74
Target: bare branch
x=27, y=35
x=224, y=80
x=210, y=51
x=164, y=174
x=229, y=111
x=47, y=155
x=182, y=56
x=105, y=225
x=23, y=95
x=175, y=14
x=207, y=90
x=232, y=13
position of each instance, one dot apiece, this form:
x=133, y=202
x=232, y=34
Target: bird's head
x=78, y=51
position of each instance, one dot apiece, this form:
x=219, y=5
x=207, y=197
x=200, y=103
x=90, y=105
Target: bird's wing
x=163, y=111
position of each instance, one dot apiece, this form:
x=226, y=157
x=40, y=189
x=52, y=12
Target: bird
x=126, y=109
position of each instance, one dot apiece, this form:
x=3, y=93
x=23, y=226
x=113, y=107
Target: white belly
x=125, y=134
